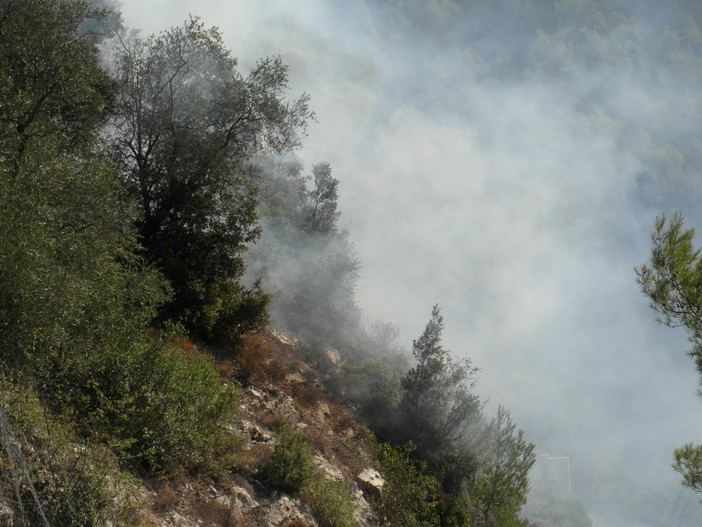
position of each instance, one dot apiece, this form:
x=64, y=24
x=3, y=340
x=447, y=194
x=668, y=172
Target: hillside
x=280, y=386
x=155, y=226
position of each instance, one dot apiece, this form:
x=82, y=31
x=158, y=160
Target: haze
x=517, y=189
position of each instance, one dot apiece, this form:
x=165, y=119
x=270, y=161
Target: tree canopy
x=186, y=126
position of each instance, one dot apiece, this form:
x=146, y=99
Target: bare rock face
x=285, y=510
x=371, y=482
x=326, y=467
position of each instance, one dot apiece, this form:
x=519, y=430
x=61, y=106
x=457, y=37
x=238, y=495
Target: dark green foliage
x=672, y=280
x=688, y=463
x=332, y=504
x=163, y=406
x=290, y=467
x=75, y=299
x=321, y=214
x=410, y=496
x=51, y=86
x=437, y=409
x=186, y=127
x=501, y=484
x=69, y=279
x=374, y=387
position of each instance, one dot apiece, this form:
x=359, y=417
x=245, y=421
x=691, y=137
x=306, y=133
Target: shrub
x=256, y=362
x=410, y=496
x=290, y=466
x=165, y=408
x=331, y=502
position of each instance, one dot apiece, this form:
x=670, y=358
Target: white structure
x=551, y=474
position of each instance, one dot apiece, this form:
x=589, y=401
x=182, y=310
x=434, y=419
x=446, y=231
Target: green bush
x=163, y=407
x=332, y=504
x=290, y=466
x=410, y=496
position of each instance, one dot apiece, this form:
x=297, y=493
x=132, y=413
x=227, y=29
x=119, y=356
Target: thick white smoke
x=497, y=196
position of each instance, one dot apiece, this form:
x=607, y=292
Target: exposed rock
x=328, y=468
x=332, y=356
x=371, y=482
x=285, y=510
x=283, y=338
x=256, y=432
x=322, y=410
x=255, y=393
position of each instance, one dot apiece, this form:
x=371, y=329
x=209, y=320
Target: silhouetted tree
x=186, y=128
x=437, y=409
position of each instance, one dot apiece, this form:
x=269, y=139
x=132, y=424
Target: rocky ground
x=280, y=385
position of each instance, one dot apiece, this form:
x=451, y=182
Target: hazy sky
x=504, y=202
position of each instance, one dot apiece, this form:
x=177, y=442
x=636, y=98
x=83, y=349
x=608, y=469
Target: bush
x=290, y=467
x=410, y=496
x=332, y=504
x=164, y=407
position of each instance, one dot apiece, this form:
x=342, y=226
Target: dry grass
x=226, y=370
x=307, y=393
x=259, y=362
x=166, y=498
x=344, y=420
x=274, y=421
x=253, y=459
x=215, y=513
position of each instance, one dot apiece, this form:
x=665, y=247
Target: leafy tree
x=322, y=214
x=51, y=82
x=437, y=409
x=68, y=272
x=502, y=484
x=186, y=128
x=672, y=280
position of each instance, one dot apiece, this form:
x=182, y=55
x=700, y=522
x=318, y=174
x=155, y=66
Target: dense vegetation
x=130, y=195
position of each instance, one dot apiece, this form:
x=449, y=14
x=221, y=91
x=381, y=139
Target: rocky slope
x=280, y=385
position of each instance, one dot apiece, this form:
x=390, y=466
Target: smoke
x=507, y=161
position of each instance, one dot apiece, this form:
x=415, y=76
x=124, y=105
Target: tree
x=437, y=409
x=501, y=482
x=187, y=126
x=672, y=280
x=322, y=214
x=307, y=263
x=436, y=396
x=51, y=82
x=68, y=273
